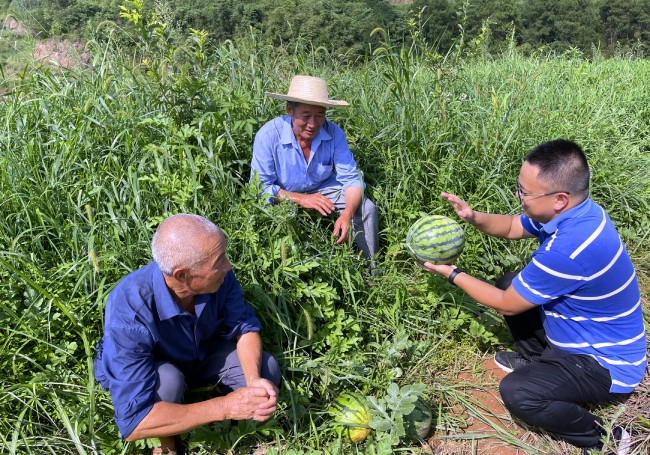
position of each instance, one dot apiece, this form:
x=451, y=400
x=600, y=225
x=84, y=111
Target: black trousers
x=552, y=390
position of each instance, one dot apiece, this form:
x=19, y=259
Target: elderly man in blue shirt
x=305, y=158
x=181, y=322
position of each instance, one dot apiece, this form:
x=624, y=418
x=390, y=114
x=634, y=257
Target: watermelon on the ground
x=418, y=423
x=436, y=239
x=352, y=416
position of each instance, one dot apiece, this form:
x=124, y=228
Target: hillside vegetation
x=343, y=27
x=91, y=159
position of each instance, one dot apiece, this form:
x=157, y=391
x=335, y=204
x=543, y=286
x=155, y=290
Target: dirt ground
x=490, y=398
x=52, y=51
x=482, y=388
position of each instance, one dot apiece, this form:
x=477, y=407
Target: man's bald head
x=179, y=241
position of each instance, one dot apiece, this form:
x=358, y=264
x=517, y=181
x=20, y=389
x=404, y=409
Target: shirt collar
x=574, y=212
x=165, y=304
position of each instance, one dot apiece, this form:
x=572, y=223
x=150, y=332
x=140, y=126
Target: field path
x=481, y=387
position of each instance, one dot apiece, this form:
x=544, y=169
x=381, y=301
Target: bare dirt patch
x=67, y=54
x=14, y=27
x=487, y=395
x=481, y=436
x=52, y=51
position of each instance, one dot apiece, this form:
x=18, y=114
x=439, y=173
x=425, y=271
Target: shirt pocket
x=320, y=172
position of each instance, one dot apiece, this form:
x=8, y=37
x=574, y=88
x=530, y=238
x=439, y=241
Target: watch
x=452, y=275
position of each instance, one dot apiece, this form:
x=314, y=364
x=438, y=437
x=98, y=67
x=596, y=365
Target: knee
x=271, y=369
x=517, y=397
x=504, y=282
x=371, y=207
x=368, y=209
x=170, y=385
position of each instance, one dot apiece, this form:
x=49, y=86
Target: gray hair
x=176, y=242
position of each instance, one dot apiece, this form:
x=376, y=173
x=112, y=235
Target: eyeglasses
x=520, y=194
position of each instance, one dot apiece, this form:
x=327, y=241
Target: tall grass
x=92, y=159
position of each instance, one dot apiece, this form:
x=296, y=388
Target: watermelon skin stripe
x=452, y=243
x=343, y=403
x=439, y=255
x=352, y=416
x=436, y=239
x=451, y=246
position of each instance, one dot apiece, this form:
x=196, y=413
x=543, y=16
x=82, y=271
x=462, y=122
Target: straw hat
x=308, y=90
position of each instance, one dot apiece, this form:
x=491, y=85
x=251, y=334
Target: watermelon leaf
x=389, y=414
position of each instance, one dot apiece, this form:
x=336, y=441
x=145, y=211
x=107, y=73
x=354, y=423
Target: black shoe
x=509, y=361
x=181, y=448
x=619, y=441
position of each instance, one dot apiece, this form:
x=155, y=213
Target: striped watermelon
x=352, y=416
x=418, y=423
x=436, y=239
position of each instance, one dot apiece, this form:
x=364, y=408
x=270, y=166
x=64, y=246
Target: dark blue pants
x=552, y=390
x=221, y=369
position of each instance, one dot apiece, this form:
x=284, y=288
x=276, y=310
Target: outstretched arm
x=507, y=302
x=502, y=226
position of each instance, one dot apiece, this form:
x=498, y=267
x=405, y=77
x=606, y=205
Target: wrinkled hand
x=342, y=227
x=316, y=201
x=250, y=403
x=462, y=208
x=271, y=389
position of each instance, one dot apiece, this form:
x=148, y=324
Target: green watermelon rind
x=419, y=421
x=352, y=416
x=448, y=233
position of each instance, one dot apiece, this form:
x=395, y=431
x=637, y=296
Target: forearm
x=482, y=292
x=507, y=302
x=353, y=196
x=502, y=226
x=168, y=419
x=249, y=351
x=294, y=197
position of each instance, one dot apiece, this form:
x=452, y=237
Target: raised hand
x=462, y=208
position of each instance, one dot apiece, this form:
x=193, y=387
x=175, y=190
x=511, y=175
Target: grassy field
x=91, y=159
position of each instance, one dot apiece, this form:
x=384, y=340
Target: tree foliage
x=343, y=27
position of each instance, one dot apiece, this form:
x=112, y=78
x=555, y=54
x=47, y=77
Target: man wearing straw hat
x=305, y=158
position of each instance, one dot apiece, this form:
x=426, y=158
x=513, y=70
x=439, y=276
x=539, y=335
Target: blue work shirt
x=280, y=163
x=144, y=325
x=585, y=284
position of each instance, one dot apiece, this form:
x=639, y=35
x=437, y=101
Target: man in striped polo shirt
x=575, y=309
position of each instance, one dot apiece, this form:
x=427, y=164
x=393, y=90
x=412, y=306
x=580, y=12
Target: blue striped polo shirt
x=584, y=281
